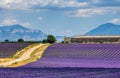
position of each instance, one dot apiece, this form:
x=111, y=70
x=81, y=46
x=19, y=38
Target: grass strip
x=36, y=55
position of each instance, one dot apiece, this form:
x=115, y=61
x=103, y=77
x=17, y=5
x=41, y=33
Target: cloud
x=68, y=3
x=11, y=21
x=94, y=11
x=76, y=8
x=28, y=4
x=26, y=24
x=115, y=21
x=39, y=4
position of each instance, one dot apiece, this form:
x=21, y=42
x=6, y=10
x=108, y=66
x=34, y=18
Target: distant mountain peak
x=105, y=29
x=14, y=32
x=18, y=26
x=108, y=24
x=10, y=27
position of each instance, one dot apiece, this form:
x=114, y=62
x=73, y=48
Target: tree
x=6, y=41
x=51, y=39
x=44, y=41
x=20, y=40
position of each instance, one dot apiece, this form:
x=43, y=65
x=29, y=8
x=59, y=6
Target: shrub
x=6, y=41
x=44, y=41
x=51, y=39
x=20, y=40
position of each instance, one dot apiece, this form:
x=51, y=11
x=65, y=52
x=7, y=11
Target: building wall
x=67, y=40
x=93, y=40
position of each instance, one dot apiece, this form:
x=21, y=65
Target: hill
x=105, y=29
x=15, y=32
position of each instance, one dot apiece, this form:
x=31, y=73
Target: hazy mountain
x=105, y=29
x=15, y=32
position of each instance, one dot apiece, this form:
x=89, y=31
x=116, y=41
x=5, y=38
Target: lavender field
x=9, y=49
x=72, y=61
x=80, y=55
x=59, y=73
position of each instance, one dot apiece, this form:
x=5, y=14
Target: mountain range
x=14, y=32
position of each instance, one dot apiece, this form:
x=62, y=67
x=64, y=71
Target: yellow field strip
x=17, y=55
x=26, y=56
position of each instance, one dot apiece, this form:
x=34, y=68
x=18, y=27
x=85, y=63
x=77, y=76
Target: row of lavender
x=9, y=49
x=80, y=55
x=59, y=73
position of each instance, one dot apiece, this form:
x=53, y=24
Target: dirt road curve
x=25, y=56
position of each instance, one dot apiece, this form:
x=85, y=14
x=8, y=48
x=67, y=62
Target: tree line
x=50, y=39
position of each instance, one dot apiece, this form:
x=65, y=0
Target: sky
x=60, y=17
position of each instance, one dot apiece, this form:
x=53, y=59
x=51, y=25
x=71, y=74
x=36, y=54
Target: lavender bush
x=59, y=73
x=9, y=49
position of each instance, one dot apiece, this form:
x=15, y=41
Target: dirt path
x=25, y=56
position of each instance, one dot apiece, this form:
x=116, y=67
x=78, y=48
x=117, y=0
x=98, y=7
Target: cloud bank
x=115, y=21
x=12, y=21
x=28, y=4
x=77, y=8
x=94, y=11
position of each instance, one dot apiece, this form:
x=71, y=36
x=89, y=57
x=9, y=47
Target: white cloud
x=94, y=11
x=27, y=4
x=26, y=24
x=11, y=4
x=11, y=21
x=115, y=21
x=68, y=3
